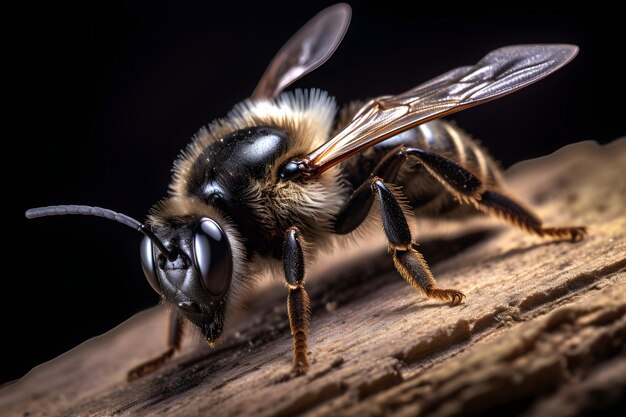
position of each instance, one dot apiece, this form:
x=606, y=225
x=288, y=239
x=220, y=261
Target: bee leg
x=469, y=189
x=355, y=211
x=464, y=185
x=495, y=203
x=409, y=262
x=360, y=202
x=297, y=300
x=174, y=339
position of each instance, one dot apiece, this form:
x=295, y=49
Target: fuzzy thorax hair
x=307, y=116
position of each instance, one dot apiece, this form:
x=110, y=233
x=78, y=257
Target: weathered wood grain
x=541, y=332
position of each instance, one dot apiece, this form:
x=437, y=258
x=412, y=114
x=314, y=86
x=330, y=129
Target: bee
x=278, y=179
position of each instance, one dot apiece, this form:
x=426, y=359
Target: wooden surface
x=541, y=332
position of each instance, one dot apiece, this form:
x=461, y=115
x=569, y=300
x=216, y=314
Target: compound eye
x=213, y=257
x=148, y=265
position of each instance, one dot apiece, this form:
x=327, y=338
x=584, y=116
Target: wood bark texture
x=541, y=332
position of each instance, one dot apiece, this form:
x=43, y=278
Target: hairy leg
x=408, y=261
x=297, y=300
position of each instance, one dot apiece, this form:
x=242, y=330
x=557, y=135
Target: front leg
x=174, y=339
x=297, y=300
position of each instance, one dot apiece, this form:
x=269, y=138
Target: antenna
x=101, y=212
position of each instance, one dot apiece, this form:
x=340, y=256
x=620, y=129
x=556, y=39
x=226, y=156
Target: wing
x=500, y=72
x=309, y=48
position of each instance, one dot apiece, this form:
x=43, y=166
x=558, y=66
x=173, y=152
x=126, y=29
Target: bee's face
x=197, y=279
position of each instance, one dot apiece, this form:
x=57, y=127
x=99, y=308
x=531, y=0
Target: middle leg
x=408, y=261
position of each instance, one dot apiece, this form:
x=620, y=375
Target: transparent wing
x=309, y=48
x=500, y=72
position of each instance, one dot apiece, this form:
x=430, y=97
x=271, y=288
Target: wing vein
x=499, y=73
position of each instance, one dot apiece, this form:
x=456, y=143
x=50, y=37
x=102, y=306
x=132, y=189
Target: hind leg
x=466, y=187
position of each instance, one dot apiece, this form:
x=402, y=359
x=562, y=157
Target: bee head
x=195, y=272
x=187, y=259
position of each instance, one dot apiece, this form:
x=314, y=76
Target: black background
x=103, y=96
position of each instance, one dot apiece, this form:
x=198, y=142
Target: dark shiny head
x=197, y=276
